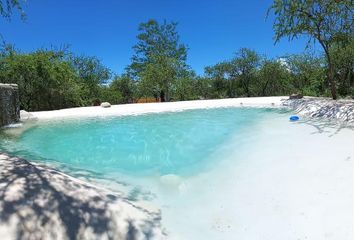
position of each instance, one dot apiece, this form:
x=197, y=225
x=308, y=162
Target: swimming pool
x=166, y=143
x=223, y=173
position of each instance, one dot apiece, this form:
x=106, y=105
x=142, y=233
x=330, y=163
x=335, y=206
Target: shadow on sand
x=325, y=115
x=42, y=203
x=341, y=110
x=328, y=127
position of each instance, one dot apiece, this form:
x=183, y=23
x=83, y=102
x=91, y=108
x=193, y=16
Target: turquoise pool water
x=165, y=143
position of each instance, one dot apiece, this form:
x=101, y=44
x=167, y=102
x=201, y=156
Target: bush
x=46, y=81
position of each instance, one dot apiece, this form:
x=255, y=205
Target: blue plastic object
x=294, y=118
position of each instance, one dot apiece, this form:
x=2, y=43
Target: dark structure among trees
x=9, y=104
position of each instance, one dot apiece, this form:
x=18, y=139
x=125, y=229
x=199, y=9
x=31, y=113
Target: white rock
x=170, y=180
x=105, y=105
x=25, y=116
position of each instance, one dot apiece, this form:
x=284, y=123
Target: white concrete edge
x=143, y=108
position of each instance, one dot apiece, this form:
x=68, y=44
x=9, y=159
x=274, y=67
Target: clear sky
x=212, y=29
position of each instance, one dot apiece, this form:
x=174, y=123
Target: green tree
x=184, y=87
x=46, y=80
x=327, y=21
x=308, y=74
x=202, y=87
x=235, y=77
x=218, y=76
x=91, y=75
x=159, y=59
x=244, y=67
x=343, y=57
x=125, y=86
x=273, y=79
x=55, y=79
x=109, y=94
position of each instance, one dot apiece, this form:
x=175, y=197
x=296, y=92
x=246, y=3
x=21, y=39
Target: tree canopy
x=159, y=59
x=55, y=79
x=45, y=79
x=327, y=21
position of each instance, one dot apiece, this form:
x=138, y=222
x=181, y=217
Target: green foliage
x=91, y=75
x=274, y=78
x=108, y=94
x=7, y=6
x=308, y=74
x=55, y=79
x=159, y=75
x=184, y=88
x=234, y=78
x=343, y=58
x=159, y=60
x=248, y=74
x=244, y=67
x=327, y=21
x=202, y=88
x=218, y=76
x=46, y=80
x=156, y=40
x=125, y=86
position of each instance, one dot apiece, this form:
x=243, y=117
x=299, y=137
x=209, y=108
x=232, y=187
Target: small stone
x=105, y=105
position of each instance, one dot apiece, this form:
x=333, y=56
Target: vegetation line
x=57, y=78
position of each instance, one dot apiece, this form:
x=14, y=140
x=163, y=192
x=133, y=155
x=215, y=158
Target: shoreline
x=144, y=108
x=312, y=107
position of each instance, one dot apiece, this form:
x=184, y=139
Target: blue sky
x=213, y=30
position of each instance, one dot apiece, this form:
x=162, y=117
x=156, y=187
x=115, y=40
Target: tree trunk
x=330, y=73
x=162, y=96
x=332, y=81
x=167, y=95
x=264, y=89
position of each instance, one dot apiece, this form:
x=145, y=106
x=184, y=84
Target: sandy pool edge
x=142, y=108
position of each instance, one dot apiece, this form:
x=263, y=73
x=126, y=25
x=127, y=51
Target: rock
x=26, y=116
x=296, y=96
x=105, y=105
x=171, y=180
x=9, y=104
x=172, y=183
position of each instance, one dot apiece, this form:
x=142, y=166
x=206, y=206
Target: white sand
x=293, y=180
x=289, y=181
x=37, y=202
x=133, y=109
